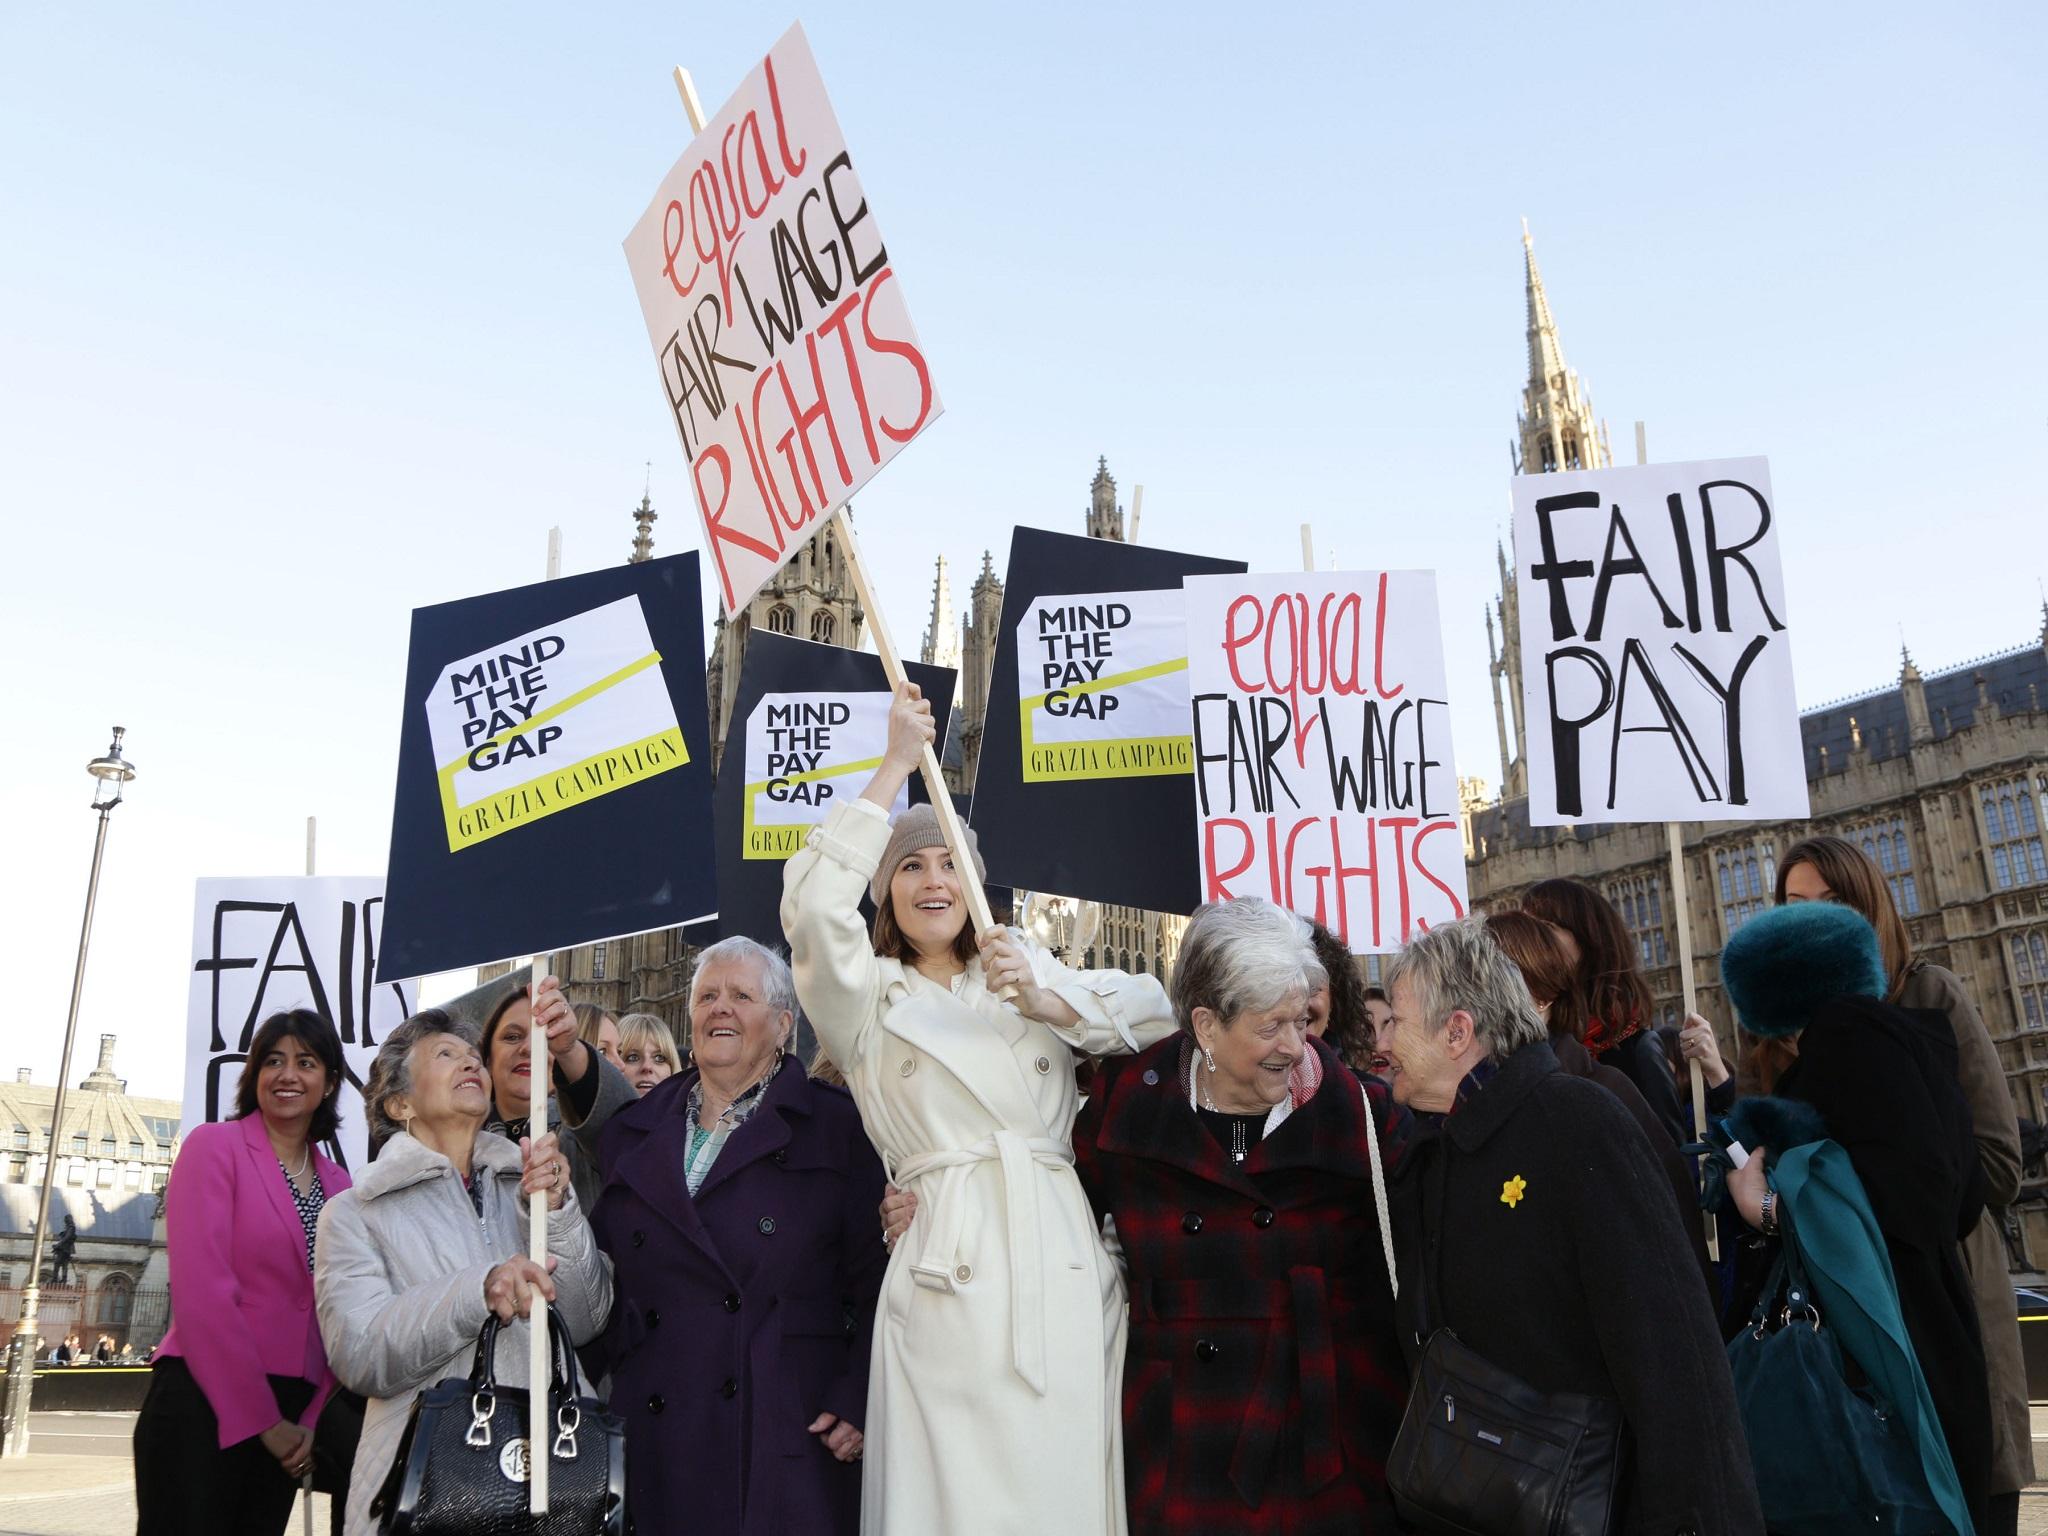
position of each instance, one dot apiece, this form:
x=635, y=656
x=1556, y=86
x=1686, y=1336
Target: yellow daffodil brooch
x=1512, y=1191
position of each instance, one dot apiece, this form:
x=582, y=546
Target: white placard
x=549, y=719
x=1322, y=748
x=266, y=945
x=787, y=356
x=1102, y=686
x=1656, y=661
x=805, y=753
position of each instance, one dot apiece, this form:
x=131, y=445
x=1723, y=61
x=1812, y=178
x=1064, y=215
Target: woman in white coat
x=998, y=1356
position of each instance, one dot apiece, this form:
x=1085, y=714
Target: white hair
x=1242, y=956
x=777, y=985
x=1461, y=965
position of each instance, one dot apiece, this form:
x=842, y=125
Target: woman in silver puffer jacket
x=431, y=1240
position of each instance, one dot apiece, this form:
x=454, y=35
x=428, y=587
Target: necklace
x=1237, y=1148
x=296, y=1174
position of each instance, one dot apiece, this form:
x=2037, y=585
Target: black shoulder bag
x=462, y=1464
x=1482, y=1453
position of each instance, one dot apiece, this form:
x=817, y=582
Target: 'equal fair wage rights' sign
x=1322, y=749
x=786, y=353
x=1656, y=663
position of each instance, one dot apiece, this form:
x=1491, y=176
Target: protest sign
x=1322, y=747
x=809, y=725
x=268, y=945
x=554, y=783
x=779, y=329
x=1101, y=684
x=1656, y=663
x=1083, y=786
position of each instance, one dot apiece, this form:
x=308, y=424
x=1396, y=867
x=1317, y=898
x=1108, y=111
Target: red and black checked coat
x=1263, y=1383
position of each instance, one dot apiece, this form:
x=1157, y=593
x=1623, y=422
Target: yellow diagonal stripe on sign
x=814, y=775
x=581, y=695
x=1157, y=669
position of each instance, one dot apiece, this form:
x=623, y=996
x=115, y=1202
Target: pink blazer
x=241, y=1292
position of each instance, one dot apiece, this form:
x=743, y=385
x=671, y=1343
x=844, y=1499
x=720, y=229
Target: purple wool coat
x=742, y=1313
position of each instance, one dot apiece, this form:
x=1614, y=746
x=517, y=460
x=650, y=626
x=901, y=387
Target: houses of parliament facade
x=1941, y=777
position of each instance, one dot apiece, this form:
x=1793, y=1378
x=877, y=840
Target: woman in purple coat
x=738, y=1207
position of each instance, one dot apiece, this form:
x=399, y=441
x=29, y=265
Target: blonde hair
x=639, y=1030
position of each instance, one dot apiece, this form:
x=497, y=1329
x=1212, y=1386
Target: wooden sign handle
x=537, y=1354
x=1681, y=915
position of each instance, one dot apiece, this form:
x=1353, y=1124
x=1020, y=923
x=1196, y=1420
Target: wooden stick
x=1137, y=506
x=537, y=1354
x=1308, y=549
x=1681, y=916
x=312, y=826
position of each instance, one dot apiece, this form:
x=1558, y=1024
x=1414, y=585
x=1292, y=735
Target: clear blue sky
x=314, y=316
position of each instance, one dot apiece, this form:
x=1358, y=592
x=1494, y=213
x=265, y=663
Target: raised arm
x=1104, y=1013
x=837, y=978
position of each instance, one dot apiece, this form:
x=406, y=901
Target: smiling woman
x=241, y=1378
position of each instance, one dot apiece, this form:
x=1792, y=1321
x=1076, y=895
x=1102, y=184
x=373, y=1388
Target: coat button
x=767, y=1225
x=906, y=1067
x=655, y=1404
x=782, y=1157
x=1151, y=1078
x=653, y=1318
x=732, y=1303
x=639, y=1239
x=1042, y=1064
x=1191, y=1223
x=964, y=1273
x=1263, y=1216
x=728, y=1389
x=1207, y=1349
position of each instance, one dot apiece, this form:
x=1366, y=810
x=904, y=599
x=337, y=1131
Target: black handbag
x=462, y=1463
x=1480, y=1452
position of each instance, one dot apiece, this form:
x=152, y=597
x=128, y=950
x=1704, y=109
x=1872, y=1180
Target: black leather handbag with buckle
x=1480, y=1452
x=463, y=1462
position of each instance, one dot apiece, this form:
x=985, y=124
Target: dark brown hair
x=1608, y=983
x=1860, y=886
x=318, y=1036
x=892, y=945
x=1349, y=1029
x=1536, y=953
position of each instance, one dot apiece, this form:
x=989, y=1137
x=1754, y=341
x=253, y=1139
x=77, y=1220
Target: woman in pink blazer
x=226, y=1431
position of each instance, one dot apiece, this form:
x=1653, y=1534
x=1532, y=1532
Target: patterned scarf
x=1600, y=1039
x=706, y=1145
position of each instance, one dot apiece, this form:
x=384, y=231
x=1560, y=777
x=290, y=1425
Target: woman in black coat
x=1539, y=1229
x=1883, y=1080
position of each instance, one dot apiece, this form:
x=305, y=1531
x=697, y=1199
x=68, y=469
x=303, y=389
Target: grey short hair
x=1461, y=965
x=1242, y=956
x=391, y=1072
x=776, y=981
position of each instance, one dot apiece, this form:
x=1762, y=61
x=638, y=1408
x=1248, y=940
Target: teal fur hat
x=1783, y=965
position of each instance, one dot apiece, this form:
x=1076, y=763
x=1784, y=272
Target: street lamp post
x=109, y=773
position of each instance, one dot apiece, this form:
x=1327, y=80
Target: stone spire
x=1105, y=517
x=941, y=644
x=977, y=661
x=1556, y=428
x=643, y=529
x=1919, y=726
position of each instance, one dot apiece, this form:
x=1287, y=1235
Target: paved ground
x=76, y=1481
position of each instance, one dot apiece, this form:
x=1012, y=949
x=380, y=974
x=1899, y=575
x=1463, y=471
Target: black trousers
x=186, y=1484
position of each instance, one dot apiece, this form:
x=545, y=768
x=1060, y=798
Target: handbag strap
x=564, y=1380
x=1379, y=1189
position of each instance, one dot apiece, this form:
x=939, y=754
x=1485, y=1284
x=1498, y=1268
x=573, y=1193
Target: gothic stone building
x=1942, y=779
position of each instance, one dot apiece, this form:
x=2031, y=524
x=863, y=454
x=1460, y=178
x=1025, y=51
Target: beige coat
x=398, y=1280
x=1998, y=1151
x=994, y=1394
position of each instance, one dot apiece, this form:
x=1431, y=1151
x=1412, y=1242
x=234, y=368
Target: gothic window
x=782, y=619
x=1884, y=842
x=78, y=1141
x=1747, y=877
x=21, y=1136
x=597, y=962
x=116, y=1301
x=1124, y=961
x=1640, y=901
x=1088, y=959
x=1139, y=968
x=2028, y=953
x=821, y=626
x=2012, y=834
x=134, y=1151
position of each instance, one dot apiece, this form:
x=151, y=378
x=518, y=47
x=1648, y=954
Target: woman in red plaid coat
x=1263, y=1383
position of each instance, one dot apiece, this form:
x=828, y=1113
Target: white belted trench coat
x=994, y=1394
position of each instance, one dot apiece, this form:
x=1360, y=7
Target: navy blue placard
x=1126, y=842
x=624, y=861
x=750, y=890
